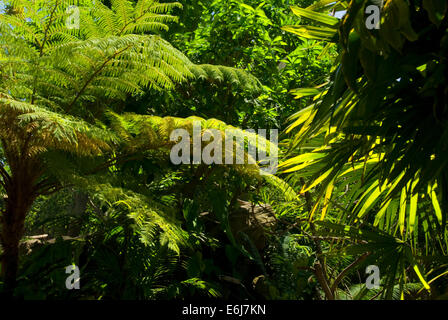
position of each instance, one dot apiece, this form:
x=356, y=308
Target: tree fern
x=55, y=88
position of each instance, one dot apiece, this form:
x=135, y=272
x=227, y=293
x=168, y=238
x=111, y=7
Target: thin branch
x=320, y=275
x=347, y=269
x=375, y=296
x=320, y=266
x=48, y=191
x=129, y=23
x=47, y=187
x=97, y=210
x=47, y=28
x=44, y=184
x=93, y=76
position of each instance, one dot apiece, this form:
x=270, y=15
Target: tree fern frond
x=142, y=132
x=234, y=76
x=148, y=215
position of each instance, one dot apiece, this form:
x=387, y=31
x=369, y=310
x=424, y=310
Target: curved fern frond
x=141, y=132
x=223, y=74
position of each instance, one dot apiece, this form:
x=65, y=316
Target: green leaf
x=316, y=16
x=310, y=32
x=435, y=202
x=402, y=211
x=316, y=182
x=413, y=208
x=304, y=92
x=422, y=280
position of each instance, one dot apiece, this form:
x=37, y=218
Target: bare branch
x=93, y=77
x=347, y=269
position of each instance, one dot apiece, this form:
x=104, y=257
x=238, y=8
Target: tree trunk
x=10, y=267
x=18, y=204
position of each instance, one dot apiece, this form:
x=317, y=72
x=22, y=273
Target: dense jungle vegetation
x=86, y=179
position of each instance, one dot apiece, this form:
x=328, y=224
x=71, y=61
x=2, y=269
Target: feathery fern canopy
x=59, y=88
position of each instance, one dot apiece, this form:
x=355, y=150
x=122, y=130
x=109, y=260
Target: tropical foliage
x=380, y=129
x=88, y=111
